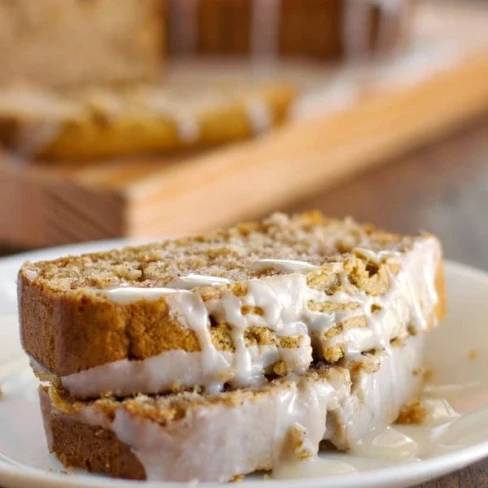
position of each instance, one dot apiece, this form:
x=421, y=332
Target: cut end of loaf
x=70, y=323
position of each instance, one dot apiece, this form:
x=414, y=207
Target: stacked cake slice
x=215, y=356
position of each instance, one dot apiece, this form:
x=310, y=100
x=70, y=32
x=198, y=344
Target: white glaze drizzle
x=190, y=308
x=193, y=280
x=357, y=24
x=466, y=429
x=378, y=392
x=331, y=96
x=311, y=467
x=271, y=417
x=299, y=409
x=283, y=302
x=265, y=26
x=184, y=28
x=386, y=443
x=439, y=411
x=182, y=114
x=111, y=103
x=173, y=368
x=390, y=11
x=243, y=370
x=125, y=295
x=355, y=28
x=284, y=265
x=408, y=301
x=271, y=297
x=188, y=128
x=258, y=113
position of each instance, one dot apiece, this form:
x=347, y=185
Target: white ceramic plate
x=457, y=351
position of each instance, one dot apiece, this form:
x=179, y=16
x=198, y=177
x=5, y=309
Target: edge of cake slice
x=231, y=308
x=192, y=436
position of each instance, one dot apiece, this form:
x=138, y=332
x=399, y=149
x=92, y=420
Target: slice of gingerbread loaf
x=231, y=309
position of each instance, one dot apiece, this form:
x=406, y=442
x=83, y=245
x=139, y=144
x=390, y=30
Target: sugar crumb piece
x=298, y=444
x=280, y=368
x=266, y=476
x=413, y=413
x=473, y=354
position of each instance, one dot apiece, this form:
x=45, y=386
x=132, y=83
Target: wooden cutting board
x=410, y=102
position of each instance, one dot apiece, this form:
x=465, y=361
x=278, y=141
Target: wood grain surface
x=443, y=188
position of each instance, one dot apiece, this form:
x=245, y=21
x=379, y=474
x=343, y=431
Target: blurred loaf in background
x=64, y=43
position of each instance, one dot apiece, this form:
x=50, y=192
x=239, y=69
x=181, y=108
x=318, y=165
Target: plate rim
x=425, y=470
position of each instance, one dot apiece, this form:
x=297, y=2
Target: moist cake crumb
x=229, y=253
x=473, y=354
x=413, y=413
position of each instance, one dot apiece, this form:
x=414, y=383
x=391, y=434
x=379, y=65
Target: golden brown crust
x=66, y=334
x=80, y=445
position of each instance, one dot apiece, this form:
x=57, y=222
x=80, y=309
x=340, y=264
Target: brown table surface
x=442, y=188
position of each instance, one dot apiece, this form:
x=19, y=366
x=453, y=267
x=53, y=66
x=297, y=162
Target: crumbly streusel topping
x=227, y=253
